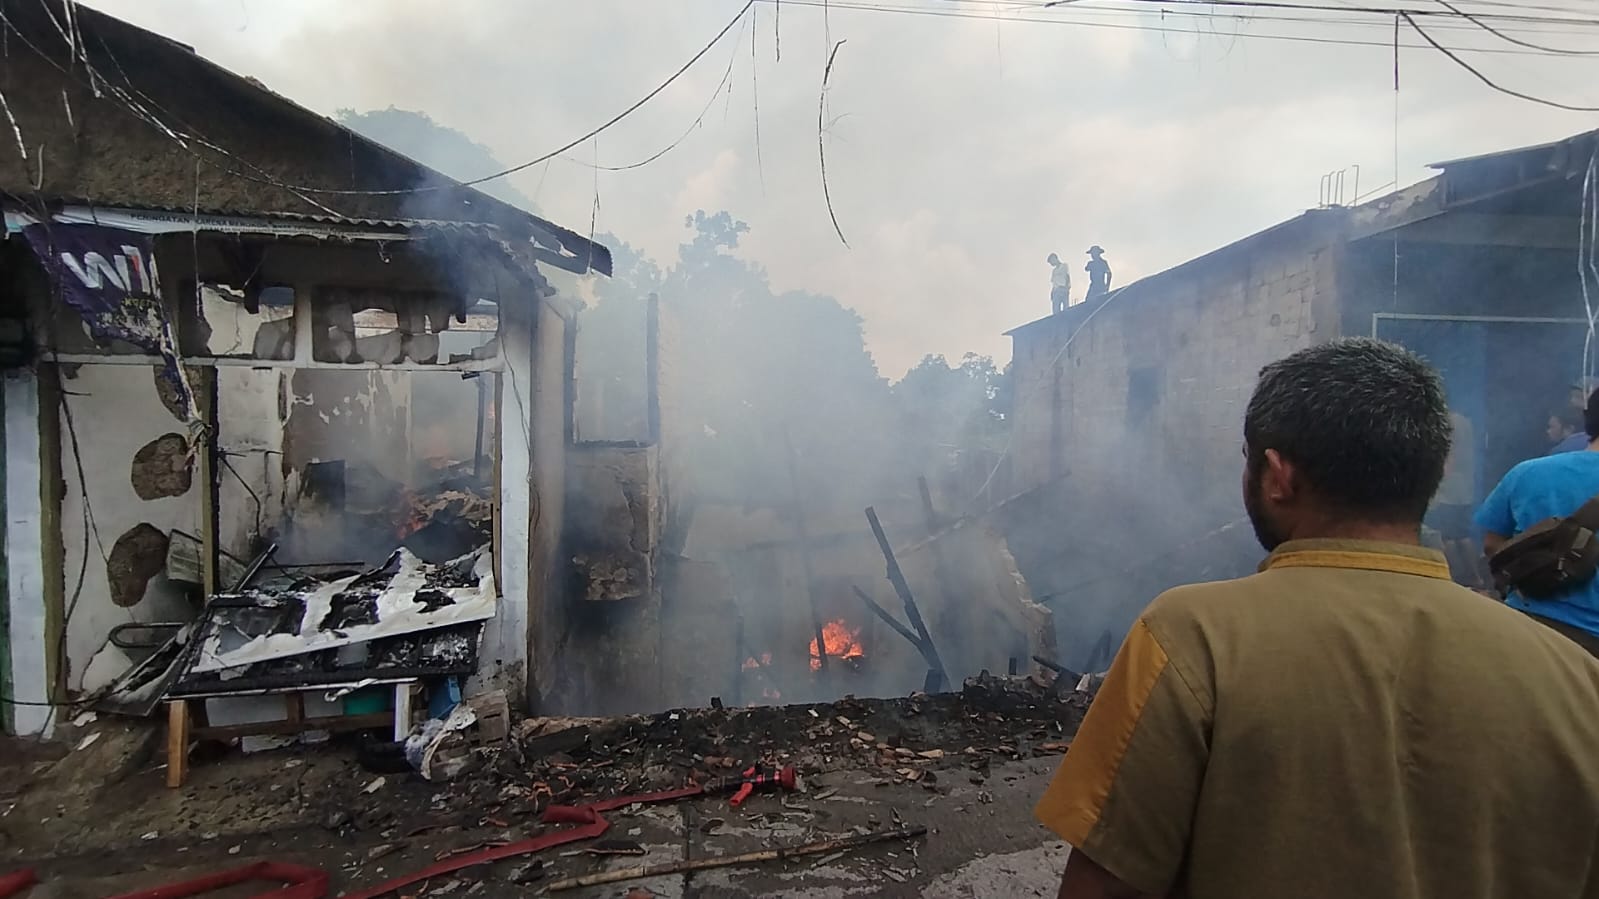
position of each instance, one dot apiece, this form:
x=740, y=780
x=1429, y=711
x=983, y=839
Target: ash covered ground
x=966, y=765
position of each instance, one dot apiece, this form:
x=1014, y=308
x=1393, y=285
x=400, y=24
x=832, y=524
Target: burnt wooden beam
x=901, y=587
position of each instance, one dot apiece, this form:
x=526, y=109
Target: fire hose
x=17, y=881
x=299, y=882
x=589, y=823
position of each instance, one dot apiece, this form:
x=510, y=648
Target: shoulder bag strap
x=1587, y=516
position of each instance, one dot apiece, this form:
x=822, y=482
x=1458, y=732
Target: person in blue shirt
x=1566, y=432
x=1547, y=487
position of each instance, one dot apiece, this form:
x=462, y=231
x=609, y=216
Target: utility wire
x=1455, y=58
x=1127, y=26
x=743, y=11
x=301, y=190
x=1517, y=41
x=693, y=126
x=1569, y=16
x=1264, y=10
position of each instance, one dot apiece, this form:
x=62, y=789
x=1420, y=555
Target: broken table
x=186, y=724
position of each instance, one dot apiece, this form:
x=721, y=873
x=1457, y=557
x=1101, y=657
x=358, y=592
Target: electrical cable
x=1453, y=57
x=1010, y=438
x=748, y=5
x=1517, y=41
x=694, y=125
x=1126, y=26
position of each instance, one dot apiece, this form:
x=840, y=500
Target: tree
x=955, y=418
x=758, y=379
x=436, y=146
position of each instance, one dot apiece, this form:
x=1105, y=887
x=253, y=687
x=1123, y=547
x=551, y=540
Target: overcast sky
x=961, y=151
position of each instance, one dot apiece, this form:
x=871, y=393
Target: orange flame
x=413, y=519
x=843, y=642
x=752, y=663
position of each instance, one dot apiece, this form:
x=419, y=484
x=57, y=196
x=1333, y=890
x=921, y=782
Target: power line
x=698, y=120
x=1518, y=42
x=1124, y=26
x=1577, y=16
x=300, y=190
x=1384, y=11
x=1455, y=58
x=744, y=10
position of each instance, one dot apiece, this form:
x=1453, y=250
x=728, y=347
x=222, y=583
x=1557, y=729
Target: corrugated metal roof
x=185, y=86
x=1517, y=151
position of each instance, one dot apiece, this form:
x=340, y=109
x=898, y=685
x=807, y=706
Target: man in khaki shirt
x=1347, y=722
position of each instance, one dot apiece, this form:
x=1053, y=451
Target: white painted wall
x=30, y=675
x=250, y=433
x=504, y=653
x=115, y=410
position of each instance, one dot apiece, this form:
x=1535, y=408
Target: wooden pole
x=723, y=861
x=897, y=578
x=888, y=619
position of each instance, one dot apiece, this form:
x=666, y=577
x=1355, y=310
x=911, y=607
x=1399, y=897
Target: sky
x=965, y=140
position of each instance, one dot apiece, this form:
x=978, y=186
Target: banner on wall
x=109, y=277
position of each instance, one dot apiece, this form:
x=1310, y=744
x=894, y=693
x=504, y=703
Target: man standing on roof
x=1347, y=722
x=1060, y=285
x=1098, y=273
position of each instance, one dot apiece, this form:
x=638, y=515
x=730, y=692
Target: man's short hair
x=1590, y=416
x=1365, y=422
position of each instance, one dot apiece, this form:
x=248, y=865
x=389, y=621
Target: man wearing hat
x=1098, y=273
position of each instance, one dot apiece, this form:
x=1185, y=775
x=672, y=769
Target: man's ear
x=1279, y=482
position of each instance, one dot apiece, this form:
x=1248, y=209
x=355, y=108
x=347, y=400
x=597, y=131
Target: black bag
x=1550, y=557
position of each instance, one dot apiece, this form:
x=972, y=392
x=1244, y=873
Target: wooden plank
x=55, y=470
x=294, y=706
x=203, y=381
x=178, y=734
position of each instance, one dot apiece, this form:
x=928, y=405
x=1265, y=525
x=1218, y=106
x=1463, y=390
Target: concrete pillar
x=28, y=639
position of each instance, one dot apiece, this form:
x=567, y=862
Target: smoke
x=783, y=412
x=951, y=205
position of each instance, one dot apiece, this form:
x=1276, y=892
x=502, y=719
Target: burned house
x=275, y=388
x=1128, y=410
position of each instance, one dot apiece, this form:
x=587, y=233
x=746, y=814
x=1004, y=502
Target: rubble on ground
x=927, y=739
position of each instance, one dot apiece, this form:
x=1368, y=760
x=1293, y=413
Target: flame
x=843, y=642
x=413, y=519
x=771, y=693
x=752, y=663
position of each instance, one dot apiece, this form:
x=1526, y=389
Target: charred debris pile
x=933, y=740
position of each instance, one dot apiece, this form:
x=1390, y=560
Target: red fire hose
x=16, y=882
x=589, y=825
x=299, y=882
x=587, y=817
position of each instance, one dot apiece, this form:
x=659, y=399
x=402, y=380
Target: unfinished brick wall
x=1172, y=358
x=1138, y=422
